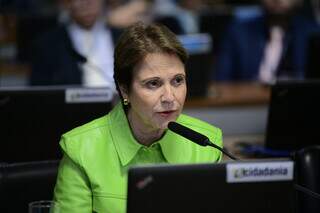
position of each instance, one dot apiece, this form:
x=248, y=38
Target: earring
x=125, y=101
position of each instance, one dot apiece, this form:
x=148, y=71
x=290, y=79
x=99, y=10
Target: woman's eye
x=178, y=80
x=153, y=84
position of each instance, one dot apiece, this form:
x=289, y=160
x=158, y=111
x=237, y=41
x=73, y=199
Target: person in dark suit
x=79, y=52
x=267, y=47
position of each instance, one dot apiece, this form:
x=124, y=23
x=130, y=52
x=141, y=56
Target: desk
x=232, y=94
x=231, y=144
x=12, y=74
x=239, y=109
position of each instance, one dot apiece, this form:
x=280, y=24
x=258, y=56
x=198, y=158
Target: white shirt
x=189, y=20
x=272, y=56
x=96, y=45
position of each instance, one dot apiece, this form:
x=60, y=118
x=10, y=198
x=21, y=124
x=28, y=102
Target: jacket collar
x=174, y=148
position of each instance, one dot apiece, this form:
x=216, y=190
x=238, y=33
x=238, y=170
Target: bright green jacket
x=93, y=172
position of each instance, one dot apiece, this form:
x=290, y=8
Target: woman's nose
x=168, y=94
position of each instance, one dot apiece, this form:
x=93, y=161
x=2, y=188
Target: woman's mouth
x=166, y=114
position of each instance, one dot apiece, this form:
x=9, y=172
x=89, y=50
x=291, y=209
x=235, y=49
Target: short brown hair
x=136, y=42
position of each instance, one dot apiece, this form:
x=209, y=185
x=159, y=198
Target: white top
x=96, y=45
x=272, y=56
x=188, y=19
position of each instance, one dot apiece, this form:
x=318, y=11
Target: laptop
x=248, y=186
x=34, y=118
x=294, y=115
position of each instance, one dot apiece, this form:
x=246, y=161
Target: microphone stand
x=209, y=143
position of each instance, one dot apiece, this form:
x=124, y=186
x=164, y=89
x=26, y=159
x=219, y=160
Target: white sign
x=259, y=171
x=88, y=95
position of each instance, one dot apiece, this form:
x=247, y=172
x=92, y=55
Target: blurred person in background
x=78, y=52
x=267, y=47
x=128, y=13
x=181, y=16
x=188, y=15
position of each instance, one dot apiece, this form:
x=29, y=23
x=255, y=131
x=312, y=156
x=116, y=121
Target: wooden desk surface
x=231, y=144
x=232, y=94
x=7, y=69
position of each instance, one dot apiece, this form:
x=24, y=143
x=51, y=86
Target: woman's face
x=85, y=12
x=158, y=92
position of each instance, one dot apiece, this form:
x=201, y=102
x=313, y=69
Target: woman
x=151, y=81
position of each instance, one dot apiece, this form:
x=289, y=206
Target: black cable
x=307, y=191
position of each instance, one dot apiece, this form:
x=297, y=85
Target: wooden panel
x=232, y=94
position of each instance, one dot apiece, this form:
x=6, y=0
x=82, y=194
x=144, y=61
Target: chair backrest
x=307, y=175
x=22, y=183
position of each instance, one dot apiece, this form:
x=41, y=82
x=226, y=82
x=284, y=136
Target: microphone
x=196, y=137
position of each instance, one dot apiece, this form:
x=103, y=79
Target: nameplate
x=259, y=171
x=88, y=95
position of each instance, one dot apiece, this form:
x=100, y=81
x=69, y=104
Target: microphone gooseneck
x=196, y=137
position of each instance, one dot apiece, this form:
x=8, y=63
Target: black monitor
x=293, y=117
x=33, y=119
x=312, y=66
x=200, y=62
x=246, y=186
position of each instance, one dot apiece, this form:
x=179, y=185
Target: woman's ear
x=124, y=91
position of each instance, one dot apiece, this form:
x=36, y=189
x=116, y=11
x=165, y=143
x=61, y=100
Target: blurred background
x=207, y=28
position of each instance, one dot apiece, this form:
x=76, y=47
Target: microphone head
x=189, y=133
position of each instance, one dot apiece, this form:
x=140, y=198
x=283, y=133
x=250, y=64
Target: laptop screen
x=252, y=186
x=33, y=119
x=293, y=118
